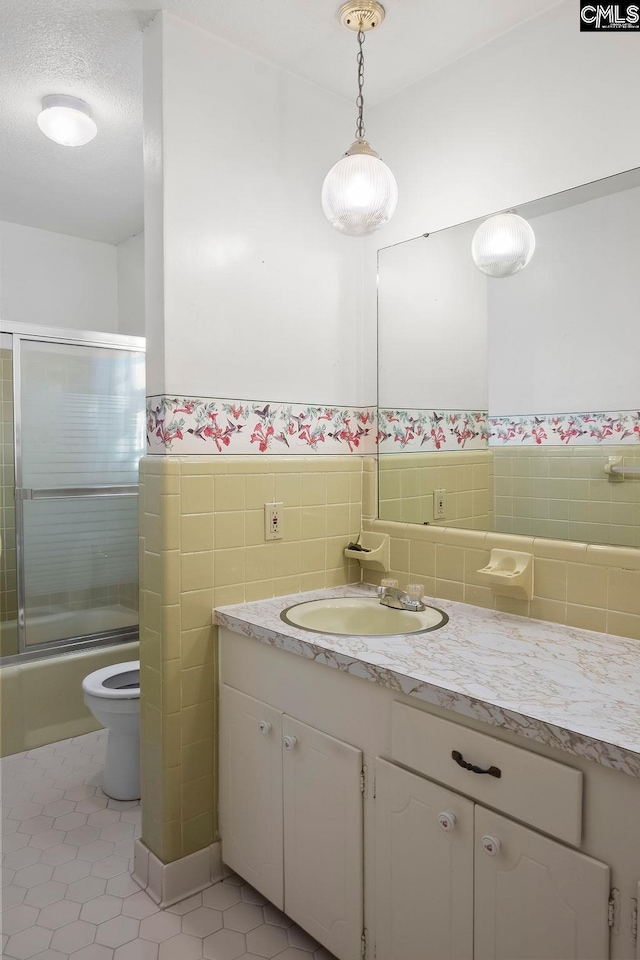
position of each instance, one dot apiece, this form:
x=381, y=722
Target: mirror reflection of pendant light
x=503, y=245
x=66, y=120
x=359, y=194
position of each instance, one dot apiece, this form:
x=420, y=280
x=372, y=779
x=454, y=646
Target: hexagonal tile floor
x=67, y=894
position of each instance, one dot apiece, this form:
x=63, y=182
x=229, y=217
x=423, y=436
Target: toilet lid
x=120, y=681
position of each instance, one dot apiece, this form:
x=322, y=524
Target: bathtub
x=41, y=700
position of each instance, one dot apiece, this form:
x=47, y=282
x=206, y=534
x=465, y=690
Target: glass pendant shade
x=67, y=120
x=503, y=245
x=359, y=194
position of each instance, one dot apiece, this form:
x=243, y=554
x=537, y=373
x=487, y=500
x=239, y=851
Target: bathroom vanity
x=478, y=799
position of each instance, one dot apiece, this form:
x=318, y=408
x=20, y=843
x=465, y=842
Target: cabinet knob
x=264, y=727
x=491, y=846
x=289, y=742
x=447, y=821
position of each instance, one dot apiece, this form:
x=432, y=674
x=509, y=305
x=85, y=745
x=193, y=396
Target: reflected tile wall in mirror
x=408, y=481
x=563, y=493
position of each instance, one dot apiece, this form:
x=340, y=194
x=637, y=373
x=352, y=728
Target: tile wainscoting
x=202, y=543
x=590, y=586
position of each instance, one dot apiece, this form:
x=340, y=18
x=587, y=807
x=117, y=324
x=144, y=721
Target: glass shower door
x=8, y=575
x=79, y=439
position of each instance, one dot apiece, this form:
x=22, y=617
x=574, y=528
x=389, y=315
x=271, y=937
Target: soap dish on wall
x=509, y=573
x=371, y=550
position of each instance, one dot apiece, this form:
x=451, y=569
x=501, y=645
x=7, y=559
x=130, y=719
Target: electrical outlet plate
x=273, y=521
x=439, y=504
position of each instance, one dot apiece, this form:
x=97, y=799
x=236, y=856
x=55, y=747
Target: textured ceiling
x=93, y=49
x=58, y=46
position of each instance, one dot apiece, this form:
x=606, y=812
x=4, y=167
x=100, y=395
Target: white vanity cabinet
x=291, y=818
x=423, y=868
x=507, y=892
x=535, y=897
x=251, y=791
x=456, y=881
x=405, y=863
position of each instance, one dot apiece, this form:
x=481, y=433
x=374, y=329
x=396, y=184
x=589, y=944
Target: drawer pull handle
x=459, y=759
x=264, y=727
x=289, y=742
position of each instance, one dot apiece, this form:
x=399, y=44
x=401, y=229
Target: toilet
x=113, y=696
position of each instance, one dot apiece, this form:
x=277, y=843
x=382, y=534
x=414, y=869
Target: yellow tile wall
x=595, y=587
x=202, y=544
x=407, y=482
x=564, y=493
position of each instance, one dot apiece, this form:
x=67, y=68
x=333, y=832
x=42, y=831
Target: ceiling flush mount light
x=359, y=194
x=503, y=245
x=66, y=120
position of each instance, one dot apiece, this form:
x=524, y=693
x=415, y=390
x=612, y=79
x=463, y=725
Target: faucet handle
x=415, y=591
x=389, y=582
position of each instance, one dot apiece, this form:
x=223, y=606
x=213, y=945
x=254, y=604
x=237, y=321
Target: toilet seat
x=114, y=682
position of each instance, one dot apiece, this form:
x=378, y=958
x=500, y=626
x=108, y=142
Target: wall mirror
x=501, y=401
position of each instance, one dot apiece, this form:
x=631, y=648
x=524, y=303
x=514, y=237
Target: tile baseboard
x=168, y=883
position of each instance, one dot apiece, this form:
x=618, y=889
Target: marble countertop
x=572, y=689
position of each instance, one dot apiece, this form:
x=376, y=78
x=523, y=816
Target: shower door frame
x=80, y=338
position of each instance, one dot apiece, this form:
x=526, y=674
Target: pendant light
x=359, y=194
x=503, y=245
x=66, y=120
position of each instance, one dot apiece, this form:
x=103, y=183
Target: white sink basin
x=361, y=617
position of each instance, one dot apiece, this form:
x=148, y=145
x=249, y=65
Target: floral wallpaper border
x=204, y=426
x=563, y=429
x=408, y=431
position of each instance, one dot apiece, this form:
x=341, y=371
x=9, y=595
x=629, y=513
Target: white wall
x=262, y=298
x=564, y=333
x=540, y=109
x=536, y=111
x=130, y=259
x=57, y=280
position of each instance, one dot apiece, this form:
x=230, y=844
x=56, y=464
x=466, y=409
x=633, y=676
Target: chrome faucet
x=399, y=600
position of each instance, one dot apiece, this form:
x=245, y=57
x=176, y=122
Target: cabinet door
x=424, y=869
x=251, y=791
x=536, y=899
x=323, y=852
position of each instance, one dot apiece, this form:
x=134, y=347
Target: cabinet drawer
x=531, y=788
